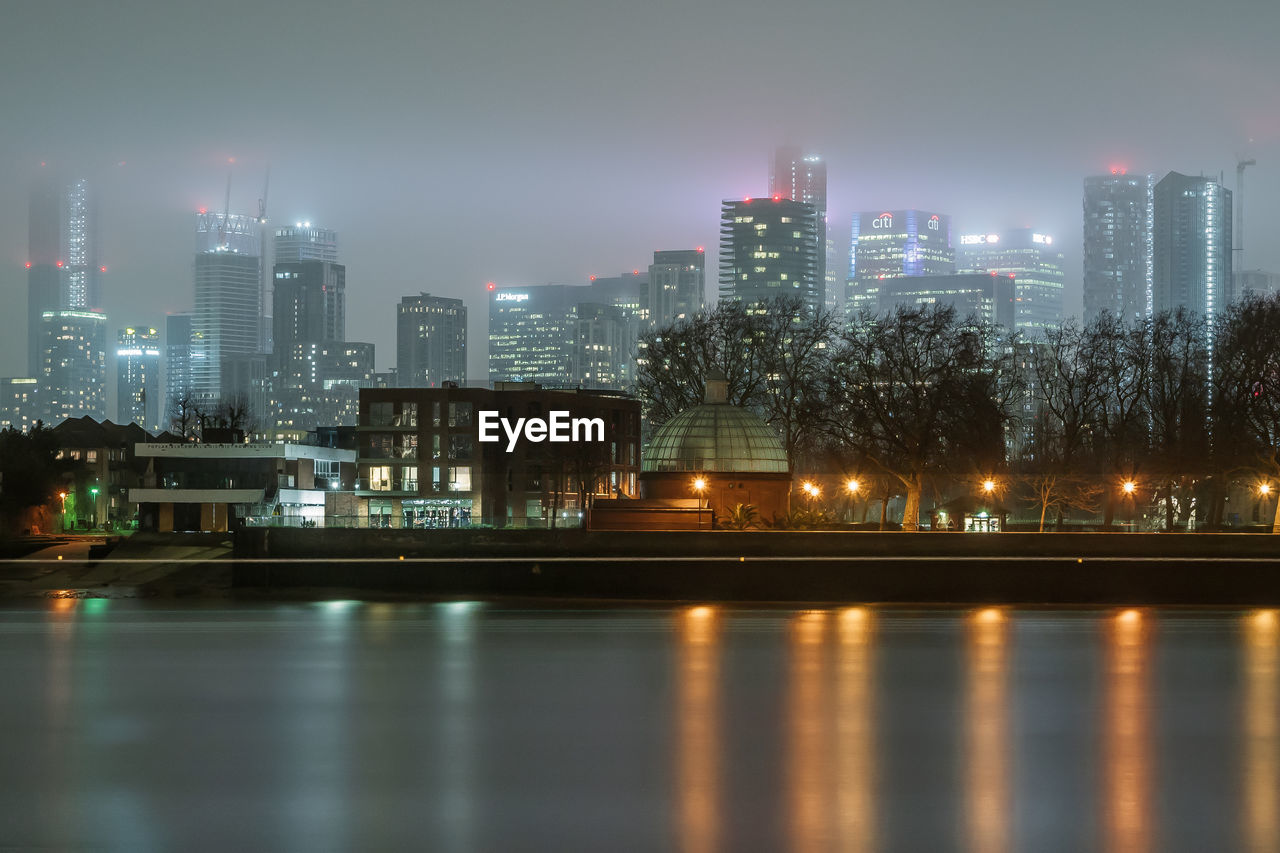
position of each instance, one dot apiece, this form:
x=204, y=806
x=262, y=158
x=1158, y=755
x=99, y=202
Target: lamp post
x=700, y=486
x=93, y=492
x=852, y=486
x=62, y=518
x=1264, y=492
x=1130, y=489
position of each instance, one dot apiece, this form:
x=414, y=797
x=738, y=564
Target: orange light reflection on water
x=987, y=742
x=1127, y=819
x=698, y=721
x=1261, y=741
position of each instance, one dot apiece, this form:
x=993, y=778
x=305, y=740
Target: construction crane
x=262, y=202
x=1237, y=225
x=226, y=214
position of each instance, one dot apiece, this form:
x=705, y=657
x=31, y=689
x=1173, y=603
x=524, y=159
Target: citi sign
x=884, y=220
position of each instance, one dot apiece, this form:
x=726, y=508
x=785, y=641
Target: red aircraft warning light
x=28, y=264
x=490, y=286
x=59, y=264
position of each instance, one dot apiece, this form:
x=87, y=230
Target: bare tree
x=917, y=391
x=1246, y=390
x=1176, y=398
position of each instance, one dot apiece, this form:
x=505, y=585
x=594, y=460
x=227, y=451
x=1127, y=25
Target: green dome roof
x=713, y=438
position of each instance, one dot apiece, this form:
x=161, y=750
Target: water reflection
x=855, y=732
x=697, y=721
x=1261, y=733
x=808, y=734
x=1126, y=733
x=456, y=813
x=987, y=740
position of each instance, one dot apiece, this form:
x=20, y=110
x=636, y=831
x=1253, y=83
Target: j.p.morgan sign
x=558, y=428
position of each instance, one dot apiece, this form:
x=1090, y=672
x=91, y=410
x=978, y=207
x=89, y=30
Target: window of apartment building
x=381, y=414
x=460, y=447
x=380, y=478
x=459, y=414
x=460, y=479
x=407, y=447
x=409, y=478
x=408, y=414
x=435, y=414
x=379, y=513
x=379, y=445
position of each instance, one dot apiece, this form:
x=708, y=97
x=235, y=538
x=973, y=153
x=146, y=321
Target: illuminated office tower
x=1192, y=246
x=986, y=296
x=1034, y=261
x=768, y=248
x=676, y=288
x=431, y=341
x=19, y=402
x=73, y=375
x=800, y=177
x=892, y=243
x=304, y=242
x=63, y=271
x=559, y=336
x=138, y=377
x=177, y=359
x=227, y=317
x=1119, y=211
x=309, y=303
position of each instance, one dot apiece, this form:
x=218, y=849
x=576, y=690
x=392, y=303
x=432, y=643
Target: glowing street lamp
x=700, y=486
x=63, y=519
x=1264, y=489
x=93, y=491
x=852, y=486
x=988, y=486
x=1129, y=487
x=810, y=489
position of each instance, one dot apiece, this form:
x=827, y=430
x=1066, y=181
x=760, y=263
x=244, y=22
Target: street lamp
x=700, y=486
x=851, y=486
x=810, y=489
x=1264, y=489
x=988, y=486
x=1129, y=487
x=63, y=518
x=93, y=491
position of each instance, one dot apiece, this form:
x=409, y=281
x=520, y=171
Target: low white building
x=216, y=487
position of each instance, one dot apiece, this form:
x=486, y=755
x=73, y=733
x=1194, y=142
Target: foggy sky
x=529, y=142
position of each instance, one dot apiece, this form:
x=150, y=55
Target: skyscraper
x=987, y=296
x=1118, y=262
x=228, y=312
x=138, y=377
x=309, y=303
x=768, y=248
x=73, y=376
x=800, y=177
x=82, y=285
x=559, y=335
x=63, y=271
x=1034, y=261
x=19, y=402
x=304, y=242
x=893, y=243
x=431, y=341
x=1192, y=245
x=676, y=287
x=177, y=360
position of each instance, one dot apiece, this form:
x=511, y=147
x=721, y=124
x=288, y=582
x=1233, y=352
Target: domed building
x=700, y=465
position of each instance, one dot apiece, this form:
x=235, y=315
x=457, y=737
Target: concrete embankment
x=1021, y=568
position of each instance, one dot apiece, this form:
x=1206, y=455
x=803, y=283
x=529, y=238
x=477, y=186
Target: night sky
x=533, y=142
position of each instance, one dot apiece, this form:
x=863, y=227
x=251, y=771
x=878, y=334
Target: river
x=457, y=726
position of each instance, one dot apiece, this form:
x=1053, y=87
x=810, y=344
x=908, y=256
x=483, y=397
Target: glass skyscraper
x=1036, y=264
x=138, y=377
x=1118, y=251
x=892, y=243
x=769, y=248
x=1192, y=245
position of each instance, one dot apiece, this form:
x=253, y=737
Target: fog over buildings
x=453, y=145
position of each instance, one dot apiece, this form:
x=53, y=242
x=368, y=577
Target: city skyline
x=483, y=105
